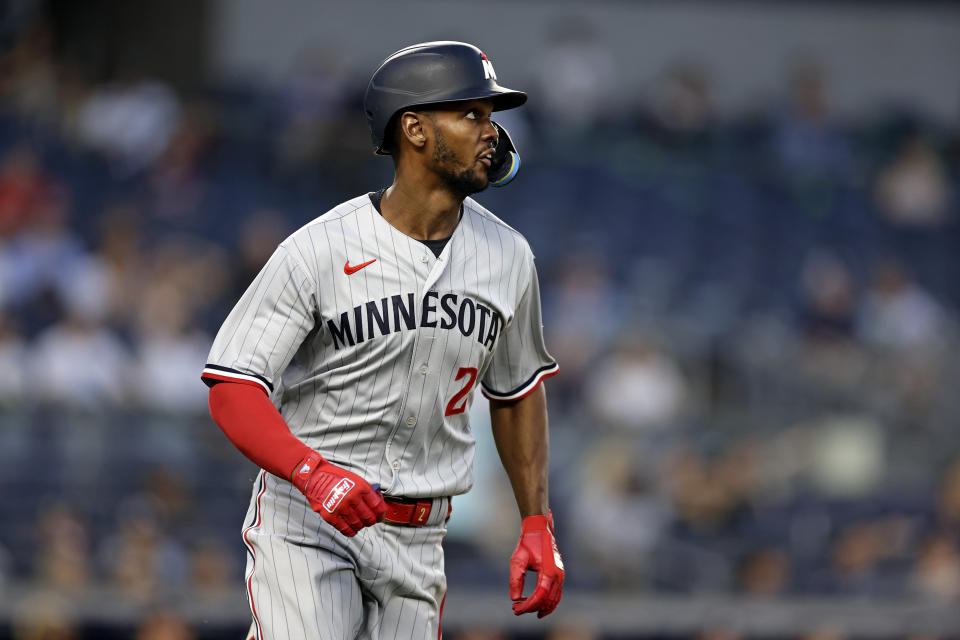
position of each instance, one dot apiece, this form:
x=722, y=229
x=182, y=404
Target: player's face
x=463, y=137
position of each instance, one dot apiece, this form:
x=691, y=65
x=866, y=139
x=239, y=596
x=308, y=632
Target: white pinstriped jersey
x=372, y=347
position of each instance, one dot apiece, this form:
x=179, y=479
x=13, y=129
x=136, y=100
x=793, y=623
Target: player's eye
x=473, y=114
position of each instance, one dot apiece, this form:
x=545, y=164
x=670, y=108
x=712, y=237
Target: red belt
x=412, y=512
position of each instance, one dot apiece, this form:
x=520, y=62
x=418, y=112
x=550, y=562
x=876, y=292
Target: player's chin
x=468, y=180
x=482, y=180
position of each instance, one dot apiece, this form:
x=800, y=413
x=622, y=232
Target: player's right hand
x=341, y=497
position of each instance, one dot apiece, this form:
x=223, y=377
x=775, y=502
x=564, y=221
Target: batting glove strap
x=305, y=469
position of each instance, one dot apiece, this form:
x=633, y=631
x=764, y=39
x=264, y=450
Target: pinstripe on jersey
x=376, y=369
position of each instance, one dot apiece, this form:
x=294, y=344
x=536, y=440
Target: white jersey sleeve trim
x=217, y=373
x=526, y=388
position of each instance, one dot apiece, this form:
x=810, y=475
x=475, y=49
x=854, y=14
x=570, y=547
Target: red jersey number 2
x=458, y=403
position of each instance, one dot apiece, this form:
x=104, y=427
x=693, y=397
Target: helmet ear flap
x=506, y=160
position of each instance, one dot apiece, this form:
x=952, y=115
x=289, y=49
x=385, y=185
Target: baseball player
x=347, y=369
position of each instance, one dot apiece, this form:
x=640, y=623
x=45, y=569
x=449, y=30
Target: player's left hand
x=537, y=550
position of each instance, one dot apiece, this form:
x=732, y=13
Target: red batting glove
x=537, y=550
x=341, y=497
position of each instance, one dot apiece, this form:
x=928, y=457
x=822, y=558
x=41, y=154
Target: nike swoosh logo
x=347, y=269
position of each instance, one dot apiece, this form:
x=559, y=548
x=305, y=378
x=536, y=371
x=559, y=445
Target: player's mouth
x=486, y=157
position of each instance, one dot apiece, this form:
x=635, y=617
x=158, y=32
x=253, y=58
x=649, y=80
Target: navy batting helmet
x=431, y=73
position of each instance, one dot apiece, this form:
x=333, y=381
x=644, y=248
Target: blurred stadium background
x=746, y=222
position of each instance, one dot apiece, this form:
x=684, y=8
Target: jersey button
x=424, y=259
x=396, y=464
x=424, y=369
x=411, y=421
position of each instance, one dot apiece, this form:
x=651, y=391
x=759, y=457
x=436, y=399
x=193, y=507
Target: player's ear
x=411, y=125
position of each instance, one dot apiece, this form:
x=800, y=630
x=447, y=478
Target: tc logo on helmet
x=488, y=72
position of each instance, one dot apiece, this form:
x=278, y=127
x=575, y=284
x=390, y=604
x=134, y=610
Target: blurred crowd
x=755, y=319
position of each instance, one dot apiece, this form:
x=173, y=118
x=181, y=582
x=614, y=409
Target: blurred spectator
x=130, y=121
x=827, y=296
x=847, y=456
x=141, y=560
x=898, y=314
x=211, y=569
x=312, y=103
x=26, y=191
x=32, y=87
x=169, y=350
x=196, y=267
x=855, y=563
x=164, y=626
x=575, y=78
x=176, y=183
x=637, y=387
x=682, y=104
x=120, y=257
x=63, y=550
x=42, y=262
x=166, y=496
x=947, y=499
x=577, y=333
x=79, y=363
x=914, y=189
x=74, y=87
x=480, y=633
x=258, y=237
x=618, y=489
x=709, y=495
x=567, y=628
x=13, y=361
x=831, y=362
x=936, y=573
x=765, y=573
x=45, y=615
x=806, y=140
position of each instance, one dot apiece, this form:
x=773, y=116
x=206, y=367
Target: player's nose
x=490, y=133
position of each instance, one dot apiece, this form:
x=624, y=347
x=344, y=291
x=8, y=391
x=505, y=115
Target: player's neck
x=421, y=213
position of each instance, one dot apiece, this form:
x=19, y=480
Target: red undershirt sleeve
x=250, y=421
